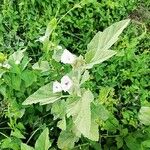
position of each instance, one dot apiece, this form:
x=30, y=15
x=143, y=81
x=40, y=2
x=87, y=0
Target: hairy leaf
x=42, y=66
x=43, y=95
x=102, y=41
x=99, y=58
x=66, y=140
x=81, y=112
x=43, y=142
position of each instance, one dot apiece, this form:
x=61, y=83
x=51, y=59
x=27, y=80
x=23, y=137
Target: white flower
x=67, y=57
x=56, y=87
x=66, y=83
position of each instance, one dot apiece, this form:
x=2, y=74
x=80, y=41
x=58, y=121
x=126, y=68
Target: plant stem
x=4, y=135
x=75, y=6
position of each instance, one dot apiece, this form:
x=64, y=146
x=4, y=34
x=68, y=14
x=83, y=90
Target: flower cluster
x=66, y=82
x=65, y=85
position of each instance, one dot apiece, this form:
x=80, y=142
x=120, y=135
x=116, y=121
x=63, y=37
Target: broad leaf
x=43, y=142
x=62, y=124
x=66, y=140
x=26, y=147
x=59, y=109
x=15, y=82
x=146, y=144
x=99, y=113
x=16, y=57
x=28, y=77
x=132, y=143
x=43, y=66
x=99, y=58
x=17, y=133
x=81, y=112
x=94, y=130
x=144, y=115
x=102, y=41
x=44, y=95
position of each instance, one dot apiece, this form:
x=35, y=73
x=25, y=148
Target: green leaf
x=59, y=109
x=66, y=140
x=111, y=124
x=99, y=58
x=119, y=141
x=17, y=134
x=16, y=57
x=94, y=130
x=132, y=143
x=57, y=54
x=85, y=77
x=43, y=142
x=43, y=95
x=26, y=147
x=10, y=143
x=144, y=115
x=50, y=27
x=146, y=144
x=81, y=112
x=15, y=82
x=102, y=41
x=43, y=66
x=29, y=77
x=98, y=112
x=62, y=124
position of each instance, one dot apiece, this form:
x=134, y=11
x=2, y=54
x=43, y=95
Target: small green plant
x=75, y=106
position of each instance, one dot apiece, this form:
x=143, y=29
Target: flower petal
x=66, y=83
x=56, y=87
x=67, y=57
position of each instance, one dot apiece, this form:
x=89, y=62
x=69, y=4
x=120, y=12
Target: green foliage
x=43, y=142
x=43, y=96
x=117, y=117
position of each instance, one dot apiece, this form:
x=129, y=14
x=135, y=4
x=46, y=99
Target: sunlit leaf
x=99, y=58
x=43, y=142
x=66, y=140
x=81, y=112
x=26, y=147
x=144, y=115
x=43, y=66
x=43, y=95
x=97, y=49
x=16, y=57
